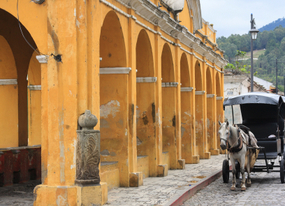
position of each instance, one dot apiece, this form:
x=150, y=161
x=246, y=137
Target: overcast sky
x=233, y=16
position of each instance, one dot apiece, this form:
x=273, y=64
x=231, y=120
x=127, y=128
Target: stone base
x=136, y=179
x=71, y=195
x=206, y=155
x=196, y=159
x=181, y=164
x=215, y=152
x=162, y=170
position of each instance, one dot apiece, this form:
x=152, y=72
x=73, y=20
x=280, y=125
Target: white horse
x=236, y=142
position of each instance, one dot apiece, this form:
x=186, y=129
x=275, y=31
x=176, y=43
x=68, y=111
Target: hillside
x=269, y=47
x=271, y=26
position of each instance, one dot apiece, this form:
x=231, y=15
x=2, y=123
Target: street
x=266, y=189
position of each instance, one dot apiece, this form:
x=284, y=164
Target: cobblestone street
x=18, y=195
x=266, y=189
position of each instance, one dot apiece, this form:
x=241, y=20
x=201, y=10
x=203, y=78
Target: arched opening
x=169, y=89
x=199, y=110
x=9, y=96
x=15, y=55
x=113, y=101
x=186, y=116
x=210, y=112
x=112, y=44
x=22, y=53
x=146, y=107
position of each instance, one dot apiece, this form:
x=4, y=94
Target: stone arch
x=146, y=106
x=38, y=14
x=199, y=111
x=186, y=113
x=112, y=44
x=209, y=86
x=210, y=112
x=198, y=77
x=184, y=71
x=114, y=107
x=144, y=56
x=169, y=102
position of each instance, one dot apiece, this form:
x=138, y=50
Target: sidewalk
x=173, y=189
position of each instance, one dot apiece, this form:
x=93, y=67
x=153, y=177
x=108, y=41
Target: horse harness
x=238, y=147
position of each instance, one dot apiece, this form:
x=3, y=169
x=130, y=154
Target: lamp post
x=284, y=85
x=253, y=34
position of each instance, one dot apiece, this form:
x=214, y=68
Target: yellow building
x=152, y=75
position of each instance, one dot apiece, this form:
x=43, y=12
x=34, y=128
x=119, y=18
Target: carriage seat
x=266, y=135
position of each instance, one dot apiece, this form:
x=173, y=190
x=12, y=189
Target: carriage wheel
x=226, y=171
x=282, y=170
x=237, y=170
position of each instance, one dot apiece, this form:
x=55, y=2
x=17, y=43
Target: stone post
x=87, y=150
x=86, y=188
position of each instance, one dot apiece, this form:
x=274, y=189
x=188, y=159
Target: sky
x=233, y=16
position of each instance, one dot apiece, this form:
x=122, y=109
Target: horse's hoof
x=248, y=184
x=233, y=188
x=243, y=188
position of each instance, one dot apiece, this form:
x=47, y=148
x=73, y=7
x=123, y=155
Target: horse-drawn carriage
x=263, y=114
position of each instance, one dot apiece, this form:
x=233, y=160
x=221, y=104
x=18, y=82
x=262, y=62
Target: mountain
x=271, y=26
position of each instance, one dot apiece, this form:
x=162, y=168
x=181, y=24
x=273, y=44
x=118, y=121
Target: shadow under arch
x=112, y=44
x=169, y=113
x=114, y=103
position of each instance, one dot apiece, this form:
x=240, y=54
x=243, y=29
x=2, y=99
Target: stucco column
x=62, y=105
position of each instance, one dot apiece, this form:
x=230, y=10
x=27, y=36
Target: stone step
x=109, y=173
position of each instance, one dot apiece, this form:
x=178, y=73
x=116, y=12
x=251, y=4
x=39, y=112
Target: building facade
x=152, y=75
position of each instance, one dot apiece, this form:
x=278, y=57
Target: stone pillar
x=87, y=189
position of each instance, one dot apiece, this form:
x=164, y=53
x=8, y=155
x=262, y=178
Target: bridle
x=234, y=147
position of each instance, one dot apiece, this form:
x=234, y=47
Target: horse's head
x=224, y=133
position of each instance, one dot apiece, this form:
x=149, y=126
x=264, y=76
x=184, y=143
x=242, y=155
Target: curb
x=189, y=192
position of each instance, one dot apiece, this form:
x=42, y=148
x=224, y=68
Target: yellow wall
x=34, y=102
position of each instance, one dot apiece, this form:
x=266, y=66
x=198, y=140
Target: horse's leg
x=248, y=182
x=242, y=170
x=233, y=187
